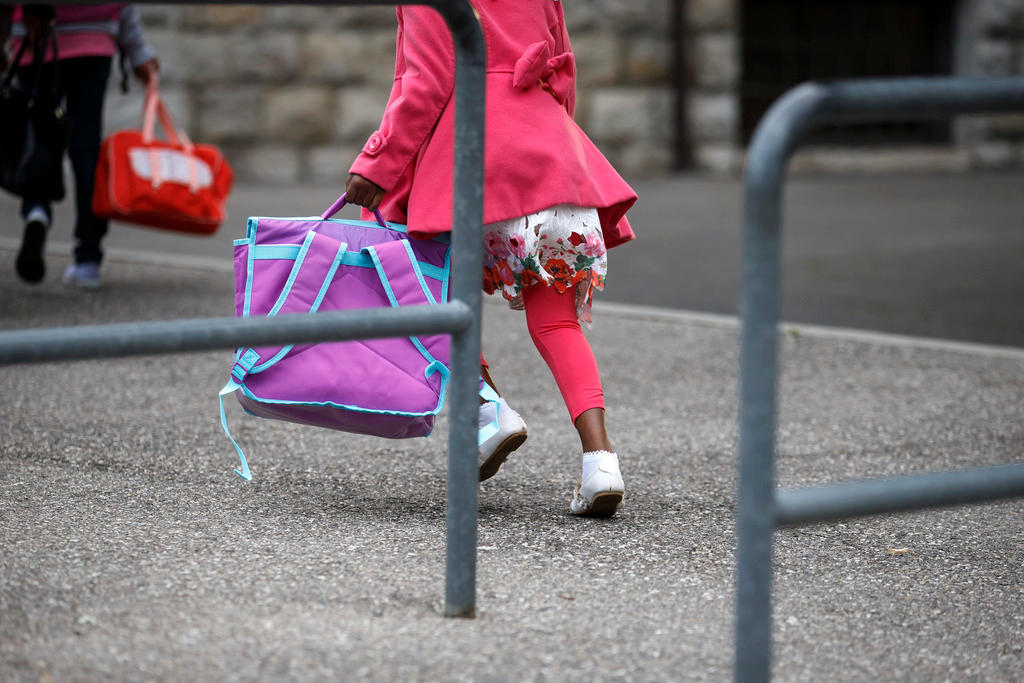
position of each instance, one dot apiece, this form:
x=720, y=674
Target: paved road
x=932, y=255
x=130, y=551
x=927, y=255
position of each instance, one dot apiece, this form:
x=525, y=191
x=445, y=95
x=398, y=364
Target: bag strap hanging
x=13, y=65
x=49, y=37
x=318, y=260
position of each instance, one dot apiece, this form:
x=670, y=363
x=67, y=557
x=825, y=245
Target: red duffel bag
x=173, y=184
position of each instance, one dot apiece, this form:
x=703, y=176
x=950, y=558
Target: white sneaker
x=85, y=275
x=601, y=492
x=502, y=430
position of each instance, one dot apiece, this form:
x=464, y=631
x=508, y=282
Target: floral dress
x=561, y=247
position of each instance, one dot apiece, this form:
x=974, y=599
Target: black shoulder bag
x=33, y=128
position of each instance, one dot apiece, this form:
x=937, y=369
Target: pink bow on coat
x=555, y=74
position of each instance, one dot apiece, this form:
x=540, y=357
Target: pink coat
x=535, y=154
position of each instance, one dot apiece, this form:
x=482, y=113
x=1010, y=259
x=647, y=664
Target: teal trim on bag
x=435, y=367
x=330, y=404
x=244, y=363
x=285, y=350
x=394, y=302
x=418, y=270
x=358, y=259
x=397, y=227
x=289, y=252
x=286, y=290
x=383, y=277
x=432, y=271
x=447, y=274
x=269, y=252
x=443, y=238
x=251, y=240
x=339, y=258
x=230, y=388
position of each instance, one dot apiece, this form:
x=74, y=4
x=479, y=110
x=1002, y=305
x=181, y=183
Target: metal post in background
x=461, y=318
x=759, y=509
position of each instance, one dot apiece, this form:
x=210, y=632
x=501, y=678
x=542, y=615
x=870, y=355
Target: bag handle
x=13, y=65
x=340, y=202
x=38, y=57
x=152, y=107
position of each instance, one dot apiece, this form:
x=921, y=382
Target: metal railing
x=461, y=317
x=760, y=507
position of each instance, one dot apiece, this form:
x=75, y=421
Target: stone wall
x=992, y=44
x=711, y=40
x=291, y=93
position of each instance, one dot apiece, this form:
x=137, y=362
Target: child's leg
x=551, y=321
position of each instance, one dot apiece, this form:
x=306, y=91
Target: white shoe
x=601, y=492
x=85, y=275
x=502, y=430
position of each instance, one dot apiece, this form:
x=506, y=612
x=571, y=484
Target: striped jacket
x=91, y=31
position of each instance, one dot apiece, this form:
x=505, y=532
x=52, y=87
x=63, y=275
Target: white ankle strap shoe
x=601, y=492
x=501, y=431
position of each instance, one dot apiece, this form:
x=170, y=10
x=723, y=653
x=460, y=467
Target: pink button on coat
x=535, y=154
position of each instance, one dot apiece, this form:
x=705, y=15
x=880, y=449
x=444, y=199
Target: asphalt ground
x=130, y=551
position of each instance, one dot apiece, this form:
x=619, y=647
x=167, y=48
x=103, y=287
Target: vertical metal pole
x=755, y=521
x=759, y=309
x=774, y=140
x=467, y=264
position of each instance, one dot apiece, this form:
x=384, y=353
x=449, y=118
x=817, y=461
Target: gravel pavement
x=130, y=551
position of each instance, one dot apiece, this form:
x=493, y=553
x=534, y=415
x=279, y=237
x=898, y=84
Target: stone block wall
x=711, y=40
x=992, y=44
x=291, y=93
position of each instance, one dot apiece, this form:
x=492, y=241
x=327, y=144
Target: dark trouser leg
x=35, y=213
x=84, y=79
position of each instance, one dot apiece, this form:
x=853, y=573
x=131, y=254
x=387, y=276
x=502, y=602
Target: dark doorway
x=786, y=42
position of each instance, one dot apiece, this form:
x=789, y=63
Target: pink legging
x=551, y=321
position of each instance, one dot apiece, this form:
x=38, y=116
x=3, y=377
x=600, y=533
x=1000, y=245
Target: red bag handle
x=152, y=107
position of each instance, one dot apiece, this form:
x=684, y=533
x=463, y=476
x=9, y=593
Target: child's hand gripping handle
x=341, y=201
x=363, y=191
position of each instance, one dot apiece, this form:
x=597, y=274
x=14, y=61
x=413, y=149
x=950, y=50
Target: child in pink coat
x=553, y=205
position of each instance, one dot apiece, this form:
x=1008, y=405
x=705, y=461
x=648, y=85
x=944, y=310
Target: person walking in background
x=88, y=36
x=553, y=205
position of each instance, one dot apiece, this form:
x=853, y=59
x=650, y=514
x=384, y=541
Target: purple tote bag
x=392, y=388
